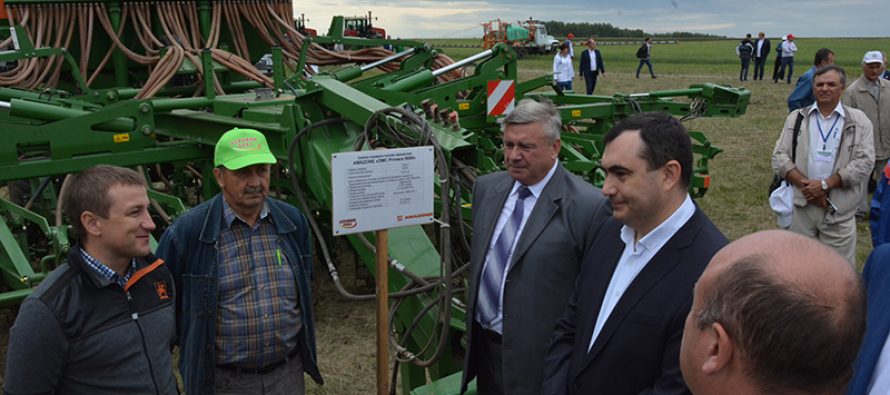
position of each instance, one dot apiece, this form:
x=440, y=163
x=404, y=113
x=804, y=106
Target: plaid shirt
x=109, y=274
x=258, y=316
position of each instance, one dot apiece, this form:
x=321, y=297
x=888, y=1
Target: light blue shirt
x=635, y=257
x=529, y=205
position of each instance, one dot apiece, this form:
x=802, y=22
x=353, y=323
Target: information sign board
x=382, y=189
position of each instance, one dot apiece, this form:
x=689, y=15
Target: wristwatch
x=824, y=185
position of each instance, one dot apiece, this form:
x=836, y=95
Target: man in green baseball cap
x=243, y=262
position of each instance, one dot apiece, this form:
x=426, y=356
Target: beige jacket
x=856, y=157
x=857, y=96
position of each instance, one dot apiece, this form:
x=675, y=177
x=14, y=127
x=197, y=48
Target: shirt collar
x=538, y=188
x=230, y=215
x=663, y=232
x=106, y=272
x=839, y=109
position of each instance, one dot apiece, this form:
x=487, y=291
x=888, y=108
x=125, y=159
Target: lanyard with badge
x=826, y=155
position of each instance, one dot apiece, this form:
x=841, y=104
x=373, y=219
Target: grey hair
x=531, y=111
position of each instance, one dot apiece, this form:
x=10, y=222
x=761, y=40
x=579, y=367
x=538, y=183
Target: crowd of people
x=573, y=289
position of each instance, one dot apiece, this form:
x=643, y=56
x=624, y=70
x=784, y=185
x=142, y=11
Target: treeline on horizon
x=585, y=30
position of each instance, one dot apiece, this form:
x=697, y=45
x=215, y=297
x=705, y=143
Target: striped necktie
x=493, y=273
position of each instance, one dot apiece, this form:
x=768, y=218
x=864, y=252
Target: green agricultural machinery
x=153, y=85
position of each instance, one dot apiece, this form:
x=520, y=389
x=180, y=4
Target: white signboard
x=383, y=189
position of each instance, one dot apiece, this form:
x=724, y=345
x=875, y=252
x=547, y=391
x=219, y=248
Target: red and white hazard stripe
x=501, y=95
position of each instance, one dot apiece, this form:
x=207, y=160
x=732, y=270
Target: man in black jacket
x=761, y=52
x=102, y=323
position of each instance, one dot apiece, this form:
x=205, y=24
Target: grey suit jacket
x=542, y=273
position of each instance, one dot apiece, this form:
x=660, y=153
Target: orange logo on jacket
x=161, y=287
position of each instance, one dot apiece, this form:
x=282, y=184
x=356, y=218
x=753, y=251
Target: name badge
x=824, y=156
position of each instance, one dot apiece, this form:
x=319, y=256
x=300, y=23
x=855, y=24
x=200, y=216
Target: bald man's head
x=792, y=308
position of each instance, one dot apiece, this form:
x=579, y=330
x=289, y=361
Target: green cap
x=239, y=148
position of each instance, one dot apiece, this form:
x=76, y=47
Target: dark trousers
x=758, y=68
x=590, y=80
x=789, y=61
x=746, y=63
x=490, y=374
x=646, y=62
x=776, y=74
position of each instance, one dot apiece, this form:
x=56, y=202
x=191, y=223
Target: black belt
x=264, y=369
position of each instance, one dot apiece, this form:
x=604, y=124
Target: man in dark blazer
x=510, y=317
x=761, y=52
x=621, y=332
x=877, y=280
x=587, y=71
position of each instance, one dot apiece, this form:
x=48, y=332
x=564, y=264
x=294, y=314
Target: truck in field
x=526, y=37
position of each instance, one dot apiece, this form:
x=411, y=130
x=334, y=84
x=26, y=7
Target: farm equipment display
x=526, y=37
x=153, y=86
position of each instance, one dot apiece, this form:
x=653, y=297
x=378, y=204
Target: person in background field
x=563, y=69
x=802, y=95
x=568, y=42
x=745, y=51
x=778, y=63
x=591, y=65
x=879, y=218
x=643, y=54
x=621, y=331
x=534, y=223
x=788, y=50
x=761, y=52
x=104, y=322
x=243, y=263
x=835, y=152
x=871, y=94
x=753, y=324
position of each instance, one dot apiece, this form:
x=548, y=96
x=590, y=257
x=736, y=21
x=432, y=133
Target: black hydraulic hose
x=37, y=193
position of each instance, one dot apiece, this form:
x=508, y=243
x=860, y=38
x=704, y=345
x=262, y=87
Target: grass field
x=736, y=201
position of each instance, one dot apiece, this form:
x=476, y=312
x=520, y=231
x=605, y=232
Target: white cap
x=784, y=38
x=782, y=202
x=873, y=57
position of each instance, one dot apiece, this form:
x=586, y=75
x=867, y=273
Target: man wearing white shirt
x=532, y=224
x=835, y=152
x=788, y=50
x=621, y=332
x=591, y=65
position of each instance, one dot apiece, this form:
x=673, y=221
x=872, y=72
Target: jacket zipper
x=135, y=317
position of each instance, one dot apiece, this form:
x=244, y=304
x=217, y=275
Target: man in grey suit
x=532, y=225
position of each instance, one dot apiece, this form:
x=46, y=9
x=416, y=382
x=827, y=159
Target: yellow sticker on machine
x=576, y=113
x=463, y=106
x=122, y=138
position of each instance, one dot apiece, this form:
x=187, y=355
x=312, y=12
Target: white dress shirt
x=563, y=68
x=635, y=257
x=759, y=46
x=788, y=49
x=506, y=212
x=825, y=140
x=592, y=60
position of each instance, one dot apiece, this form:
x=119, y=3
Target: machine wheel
x=521, y=53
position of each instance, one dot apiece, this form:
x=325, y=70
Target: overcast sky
x=461, y=19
